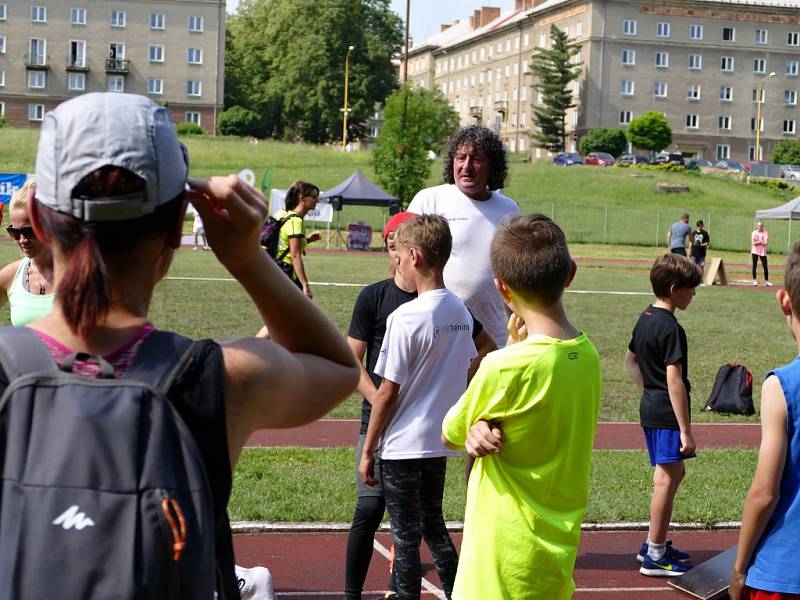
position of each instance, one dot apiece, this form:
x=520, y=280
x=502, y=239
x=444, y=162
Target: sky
x=427, y=15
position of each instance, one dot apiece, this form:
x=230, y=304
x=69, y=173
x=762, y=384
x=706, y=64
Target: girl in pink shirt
x=760, y=238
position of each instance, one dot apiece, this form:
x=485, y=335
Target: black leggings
x=755, y=258
x=414, y=490
x=367, y=519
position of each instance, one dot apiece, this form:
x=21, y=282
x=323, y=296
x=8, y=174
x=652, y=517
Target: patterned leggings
x=414, y=490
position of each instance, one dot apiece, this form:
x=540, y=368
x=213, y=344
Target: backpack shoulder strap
x=159, y=358
x=283, y=220
x=22, y=352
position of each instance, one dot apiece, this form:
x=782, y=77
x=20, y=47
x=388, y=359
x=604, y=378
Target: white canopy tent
x=785, y=212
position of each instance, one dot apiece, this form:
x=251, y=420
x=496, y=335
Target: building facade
x=170, y=50
x=710, y=66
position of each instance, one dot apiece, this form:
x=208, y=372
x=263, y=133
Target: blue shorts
x=664, y=446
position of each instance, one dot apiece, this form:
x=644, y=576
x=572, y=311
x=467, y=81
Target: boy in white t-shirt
x=424, y=360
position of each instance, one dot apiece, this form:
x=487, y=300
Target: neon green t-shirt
x=525, y=505
x=293, y=227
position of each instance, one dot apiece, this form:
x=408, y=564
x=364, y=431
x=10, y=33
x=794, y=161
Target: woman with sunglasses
x=300, y=200
x=28, y=282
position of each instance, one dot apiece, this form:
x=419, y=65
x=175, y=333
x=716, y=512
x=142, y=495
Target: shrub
x=787, y=152
x=601, y=139
x=3, y=122
x=775, y=185
x=239, y=120
x=189, y=129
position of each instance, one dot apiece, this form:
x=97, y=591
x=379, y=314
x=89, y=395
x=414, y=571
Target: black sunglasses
x=17, y=232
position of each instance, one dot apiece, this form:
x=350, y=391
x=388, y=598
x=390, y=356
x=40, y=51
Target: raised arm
x=307, y=368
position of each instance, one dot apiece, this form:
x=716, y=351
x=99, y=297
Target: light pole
x=760, y=100
x=345, y=110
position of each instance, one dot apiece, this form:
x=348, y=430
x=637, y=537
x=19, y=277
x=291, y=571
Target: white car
x=790, y=172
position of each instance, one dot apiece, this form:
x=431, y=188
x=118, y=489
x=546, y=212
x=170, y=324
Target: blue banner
x=10, y=183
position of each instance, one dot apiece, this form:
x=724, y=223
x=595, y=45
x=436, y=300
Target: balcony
x=117, y=66
x=36, y=62
x=501, y=106
x=77, y=64
x=476, y=112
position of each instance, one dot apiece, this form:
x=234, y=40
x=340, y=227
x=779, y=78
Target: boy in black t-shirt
x=365, y=337
x=657, y=363
x=700, y=241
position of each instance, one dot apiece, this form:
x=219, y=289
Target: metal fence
x=642, y=227
x=593, y=224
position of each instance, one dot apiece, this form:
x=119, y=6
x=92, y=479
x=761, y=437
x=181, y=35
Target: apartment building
x=710, y=66
x=170, y=50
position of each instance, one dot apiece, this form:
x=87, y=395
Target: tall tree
x=555, y=70
x=286, y=62
x=415, y=121
x=650, y=131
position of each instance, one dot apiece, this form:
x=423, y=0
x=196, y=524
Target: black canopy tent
x=358, y=190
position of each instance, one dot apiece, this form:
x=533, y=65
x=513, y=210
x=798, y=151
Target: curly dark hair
x=479, y=138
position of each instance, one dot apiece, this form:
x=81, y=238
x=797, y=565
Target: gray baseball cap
x=96, y=130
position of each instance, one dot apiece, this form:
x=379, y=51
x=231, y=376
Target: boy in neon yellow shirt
x=528, y=493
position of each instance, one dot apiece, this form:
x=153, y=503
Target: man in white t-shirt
x=424, y=361
x=475, y=170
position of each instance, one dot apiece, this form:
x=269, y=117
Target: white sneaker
x=255, y=583
x=755, y=281
x=768, y=284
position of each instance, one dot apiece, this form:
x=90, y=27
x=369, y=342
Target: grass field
x=270, y=483
x=593, y=205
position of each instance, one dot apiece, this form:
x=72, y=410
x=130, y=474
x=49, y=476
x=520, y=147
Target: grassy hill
x=595, y=205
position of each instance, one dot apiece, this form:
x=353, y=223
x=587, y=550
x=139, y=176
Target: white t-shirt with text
x=427, y=350
x=468, y=273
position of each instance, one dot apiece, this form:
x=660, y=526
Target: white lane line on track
x=427, y=585
x=329, y=594
x=622, y=589
x=361, y=285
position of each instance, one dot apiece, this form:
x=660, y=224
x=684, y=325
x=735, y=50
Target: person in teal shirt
x=28, y=282
x=536, y=402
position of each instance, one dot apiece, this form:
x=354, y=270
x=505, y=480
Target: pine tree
x=554, y=70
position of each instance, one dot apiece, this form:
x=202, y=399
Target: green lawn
x=592, y=204
x=299, y=484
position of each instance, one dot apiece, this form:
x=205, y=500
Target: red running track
x=310, y=565
x=332, y=433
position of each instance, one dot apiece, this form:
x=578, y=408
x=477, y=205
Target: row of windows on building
x=76, y=52
x=724, y=123
x=695, y=63
x=117, y=18
x=696, y=32
x=76, y=82
x=660, y=90
x=479, y=55
x=36, y=113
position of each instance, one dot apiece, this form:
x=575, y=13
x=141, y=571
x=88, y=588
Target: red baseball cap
x=395, y=222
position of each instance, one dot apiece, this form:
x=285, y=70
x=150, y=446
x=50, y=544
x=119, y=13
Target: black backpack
x=733, y=391
x=104, y=492
x=270, y=235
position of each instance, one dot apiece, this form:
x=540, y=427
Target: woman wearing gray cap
x=111, y=194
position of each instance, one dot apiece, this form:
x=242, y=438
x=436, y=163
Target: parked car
x=669, y=157
x=633, y=159
x=600, y=159
x=699, y=163
x=567, y=159
x=729, y=165
x=790, y=172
